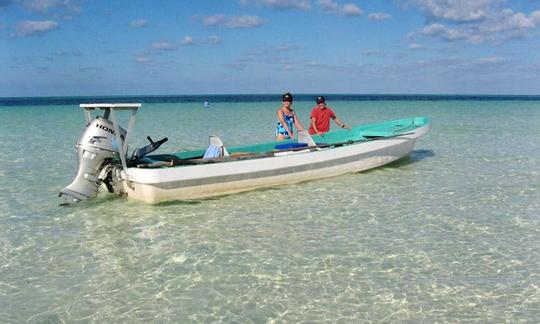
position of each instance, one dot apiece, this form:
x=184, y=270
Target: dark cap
x=287, y=97
x=320, y=99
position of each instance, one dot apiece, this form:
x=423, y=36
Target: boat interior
x=305, y=143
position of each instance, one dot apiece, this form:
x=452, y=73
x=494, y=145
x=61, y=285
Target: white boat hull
x=215, y=179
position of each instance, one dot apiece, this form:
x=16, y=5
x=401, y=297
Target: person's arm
x=282, y=121
x=340, y=123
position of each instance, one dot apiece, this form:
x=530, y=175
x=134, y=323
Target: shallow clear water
x=451, y=234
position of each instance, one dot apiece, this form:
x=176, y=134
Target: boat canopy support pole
x=130, y=125
x=122, y=144
x=87, y=116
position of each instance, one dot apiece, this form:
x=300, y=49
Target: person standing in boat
x=287, y=119
x=320, y=118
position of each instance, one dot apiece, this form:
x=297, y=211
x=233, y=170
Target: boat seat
x=215, y=148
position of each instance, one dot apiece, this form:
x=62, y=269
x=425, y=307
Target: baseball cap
x=287, y=97
x=320, y=99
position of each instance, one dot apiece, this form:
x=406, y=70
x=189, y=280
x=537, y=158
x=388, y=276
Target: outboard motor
x=95, y=149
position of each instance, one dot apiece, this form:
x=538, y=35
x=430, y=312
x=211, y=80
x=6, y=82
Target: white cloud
x=440, y=30
x=349, y=9
x=329, y=5
x=286, y=47
x=415, y=46
x=379, y=16
x=535, y=16
x=139, y=23
x=188, y=40
x=68, y=53
x=281, y=4
x=456, y=10
x=489, y=60
x=34, y=28
x=510, y=20
x=243, y=21
x=142, y=59
x=164, y=46
x=475, y=22
x=214, y=20
x=214, y=40
x=40, y=5
x=44, y=6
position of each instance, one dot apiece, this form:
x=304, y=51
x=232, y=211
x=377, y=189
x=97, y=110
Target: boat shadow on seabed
x=413, y=157
x=419, y=155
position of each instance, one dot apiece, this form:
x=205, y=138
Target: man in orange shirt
x=320, y=118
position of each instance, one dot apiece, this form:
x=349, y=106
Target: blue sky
x=78, y=47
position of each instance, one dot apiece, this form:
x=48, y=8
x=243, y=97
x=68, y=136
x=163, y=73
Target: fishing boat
x=220, y=170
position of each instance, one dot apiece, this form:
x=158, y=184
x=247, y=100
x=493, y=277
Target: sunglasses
x=286, y=99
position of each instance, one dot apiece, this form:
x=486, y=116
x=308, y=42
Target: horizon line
x=273, y=94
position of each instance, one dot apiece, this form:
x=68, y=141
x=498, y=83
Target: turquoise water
x=450, y=234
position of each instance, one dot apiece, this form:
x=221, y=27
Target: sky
x=98, y=47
